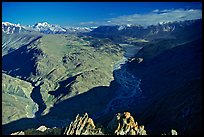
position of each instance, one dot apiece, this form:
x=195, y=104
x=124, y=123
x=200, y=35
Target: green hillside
x=65, y=65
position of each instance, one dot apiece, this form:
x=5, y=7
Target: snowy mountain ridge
x=42, y=27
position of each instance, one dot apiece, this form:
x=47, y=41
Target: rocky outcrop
x=124, y=124
x=121, y=124
x=18, y=133
x=82, y=126
x=42, y=128
x=173, y=132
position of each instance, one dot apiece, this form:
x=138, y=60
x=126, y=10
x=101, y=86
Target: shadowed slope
x=173, y=81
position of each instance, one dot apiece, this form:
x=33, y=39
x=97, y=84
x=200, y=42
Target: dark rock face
x=82, y=126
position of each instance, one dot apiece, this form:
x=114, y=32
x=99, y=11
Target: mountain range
x=52, y=73
x=168, y=30
x=103, y=31
x=42, y=27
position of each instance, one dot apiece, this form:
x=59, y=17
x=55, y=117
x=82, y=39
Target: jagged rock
x=173, y=132
x=124, y=124
x=42, y=128
x=18, y=133
x=82, y=126
x=121, y=124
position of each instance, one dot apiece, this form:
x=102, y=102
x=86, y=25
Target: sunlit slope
x=16, y=101
x=66, y=65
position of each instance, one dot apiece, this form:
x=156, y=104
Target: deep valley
x=154, y=73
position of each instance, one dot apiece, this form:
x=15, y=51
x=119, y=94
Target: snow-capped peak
x=121, y=27
x=11, y=28
x=45, y=24
x=129, y=25
x=164, y=22
x=41, y=24
x=42, y=27
x=10, y=24
x=45, y=27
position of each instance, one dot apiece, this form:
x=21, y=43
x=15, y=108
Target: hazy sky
x=99, y=13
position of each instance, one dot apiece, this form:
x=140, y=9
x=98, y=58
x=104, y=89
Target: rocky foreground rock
x=82, y=126
x=121, y=124
x=124, y=124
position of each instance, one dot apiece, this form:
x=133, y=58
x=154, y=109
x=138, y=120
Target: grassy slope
x=56, y=58
x=16, y=101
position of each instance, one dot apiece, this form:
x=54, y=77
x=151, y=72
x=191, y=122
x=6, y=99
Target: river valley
x=129, y=90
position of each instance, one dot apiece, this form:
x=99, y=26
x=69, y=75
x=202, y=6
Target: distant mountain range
x=153, y=72
x=159, y=30
x=42, y=27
